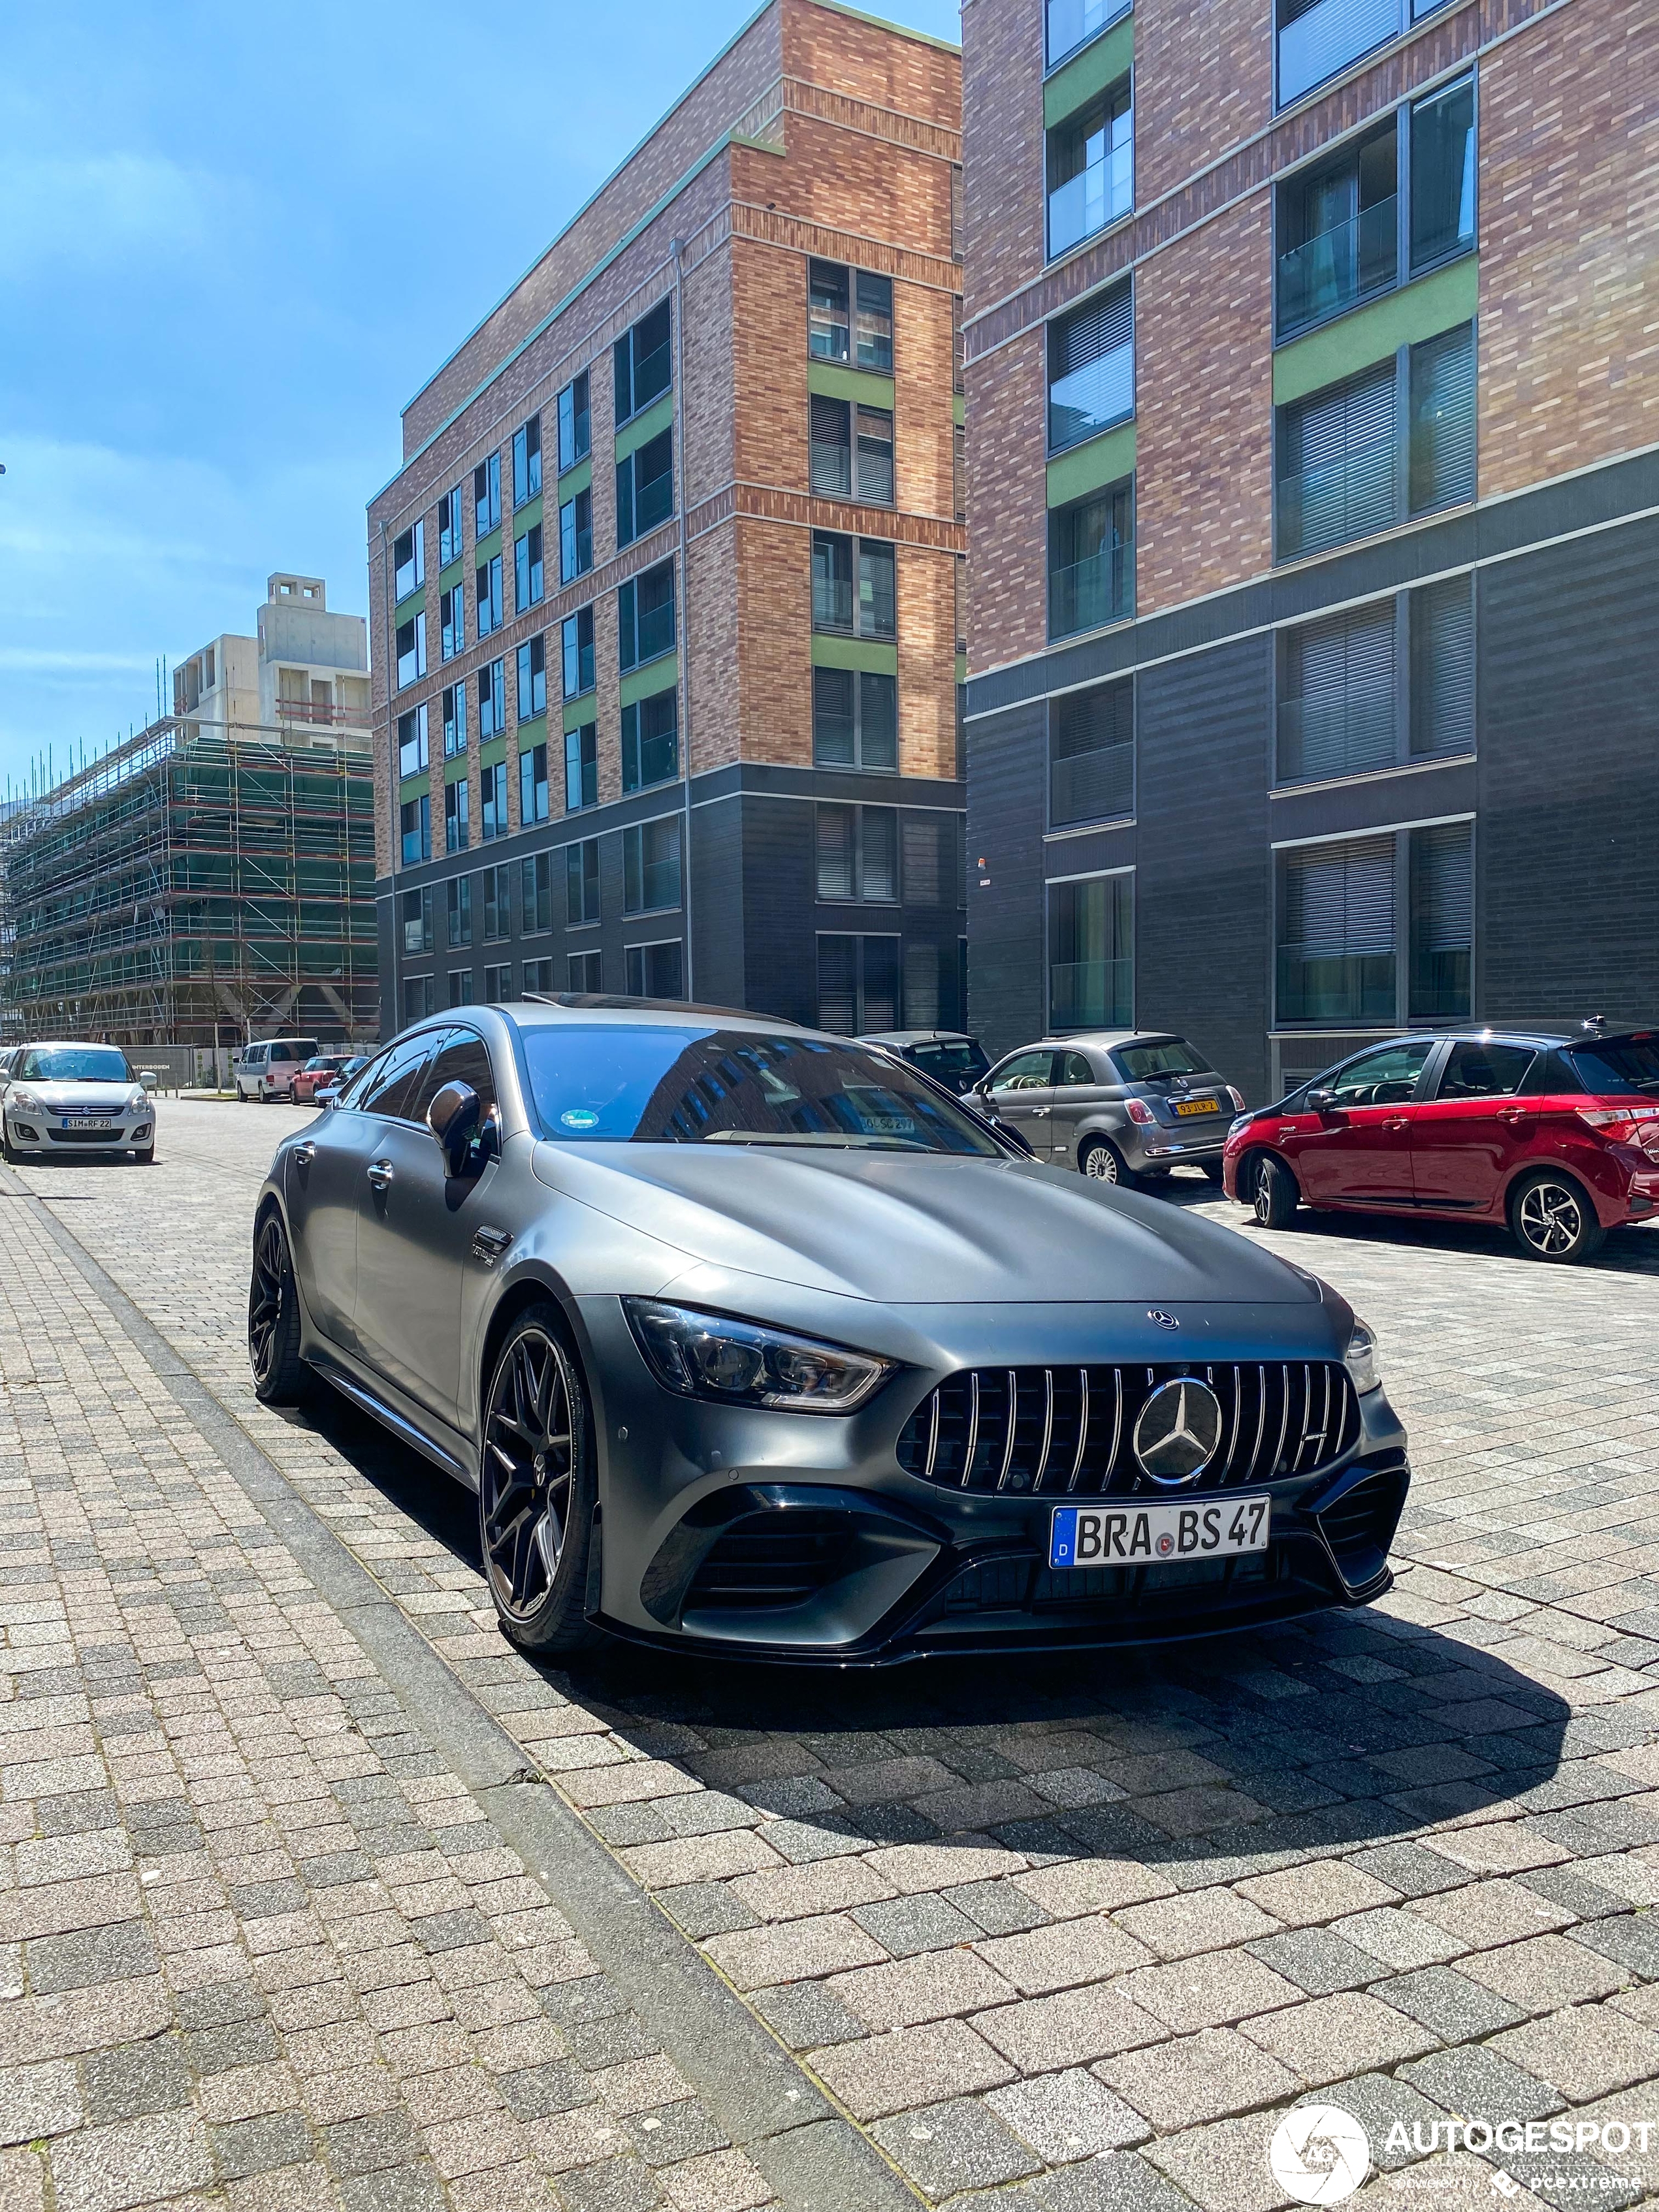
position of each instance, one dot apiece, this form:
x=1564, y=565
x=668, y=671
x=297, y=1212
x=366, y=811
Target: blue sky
x=233, y=243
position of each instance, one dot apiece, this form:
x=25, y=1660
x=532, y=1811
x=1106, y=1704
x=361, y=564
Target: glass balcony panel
x=1091, y=593
x=656, y=631
x=653, y=373
x=1092, y=397
x=1071, y=21
x=1353, y=987
x=1328, y=37
x=1095, y=787
x=1350, y=262
x=1090, y=995
x=1086, y=203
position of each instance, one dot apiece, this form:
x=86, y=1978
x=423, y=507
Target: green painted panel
x=414, y=605
x=532, y=732
x=493, y=751
x=1093, y=69
x=413, y=787
x=644, y=428
x=455, y=770
x=958, y=408
x=578, y=711
x=486, y=548
x=856, y=652
x=962, y=668
x=1103, y=460
x=831, y=381
x=574, y=480
x=661, y=674
x=449, y=577
x=1434, y=303
x=526, y=517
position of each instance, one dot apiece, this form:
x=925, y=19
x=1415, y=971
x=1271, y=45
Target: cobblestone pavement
x=1068, y=1936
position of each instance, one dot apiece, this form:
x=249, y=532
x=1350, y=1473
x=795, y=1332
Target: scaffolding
x=200, y=885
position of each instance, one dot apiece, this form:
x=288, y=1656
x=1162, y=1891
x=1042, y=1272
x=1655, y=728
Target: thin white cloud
x=61, y=214
x=44, y=660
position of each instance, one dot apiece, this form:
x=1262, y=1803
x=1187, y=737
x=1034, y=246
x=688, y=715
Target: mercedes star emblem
x=1164, y=1319
x=1177, y=1430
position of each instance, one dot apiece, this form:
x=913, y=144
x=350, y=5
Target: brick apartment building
x=1313, y=400
x=665, y=596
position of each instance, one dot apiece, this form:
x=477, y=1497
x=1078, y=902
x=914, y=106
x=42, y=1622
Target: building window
x=1091, y=169
x=576, y=423
x=412, y=754
x=650, y=741
x=411, y=650
x=867, y=341
x=533, y=786
x=460, y=987
x=581, y=882
x=528, y=569
x=458, y=896
x=651, y=865
x=656, y=971
x=858, y=984
x=492, y=783
x=455, y=816
x=492, y=700
x=582, y=768
x=498, y=984
x=418, y=997
x=1342, y=709
x=1360, y=459
x=644, y=369
x=536, y=895
x=583, y=971
x=852, y=451
x=855, y=719
x=1442, y=630
x=489, y=586
x=407, y=562
x=533, y=678
x=451, y=622
x=1091, y=561
x=577, y=639
x=1091, y=368
x=1072, y=23
x=450, y=528
x=857, y=853
x=486, y=496
x=869, y=611
x=645, y=488
x=932, y=848
x=828, y=328
x=1443, y=173
x=1317, y=38
x=497, y=913
x=1092, y=755
x=576, y=536
x=417, y=923
x=1092, y=953
x=645, y=616
x=538, y=978
x=415, y=823
x=527, y=461
x=1339, y=908
x=454, y=712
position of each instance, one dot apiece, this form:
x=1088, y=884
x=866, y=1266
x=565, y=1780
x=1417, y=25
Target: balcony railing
x=1094, y=787
x=652, y=375
x=1347, y=737
x=1336, y=986
x=1091, y=592
x=1351, y=262
x=1071, y=21
x=1089, y=201
x=1090, y=995
x=1330, y=35
x=1091, y=399
x=656, y=631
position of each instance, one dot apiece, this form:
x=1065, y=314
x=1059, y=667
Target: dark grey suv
x=1118, y=1105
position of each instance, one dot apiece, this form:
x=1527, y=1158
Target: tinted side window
x=1380, y=1079
x=1074, y=1068
x=397, y=1078
x=1550, y=1072
x=462, y=1058
x=1485, y=1071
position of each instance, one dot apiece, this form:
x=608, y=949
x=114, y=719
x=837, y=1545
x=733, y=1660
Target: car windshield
x=74, y=1063
x=1620, y=1065
x=695, y=1085
x=947, y=1060
x=1144, y=1063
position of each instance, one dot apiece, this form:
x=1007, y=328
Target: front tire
x=1276, y=1197
x=281, y=1377
x=536, y=1486
x=1552, y=1219
x=9, y=1153
x=1212, y=1171
x=143, y=1156
x=1102, y=1162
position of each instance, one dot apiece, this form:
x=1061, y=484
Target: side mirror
x=147, y=1077
x=1321, y=1102
x=454, y=1118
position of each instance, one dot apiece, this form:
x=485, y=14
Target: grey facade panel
x=1006, y=816
x=1376, y=803
x=1203, y=880
x=1567, y=843
x=779, y=878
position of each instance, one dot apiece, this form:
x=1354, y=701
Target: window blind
x=1443, y=421
x=1338, y=482
x=835, y=853
x=1092, y=755
x=1338, y=719
x=1443, y=888
x=832, y=450
x=1442, y=668
x=1339, y=902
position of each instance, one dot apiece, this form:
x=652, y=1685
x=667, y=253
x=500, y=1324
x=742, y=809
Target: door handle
x=380, y=1174
x=1513, y=1115
x=1037, y=1112
x=305, y=1153
x=1396, y=1121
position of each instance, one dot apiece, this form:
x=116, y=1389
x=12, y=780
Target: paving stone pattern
x=1058, y=1936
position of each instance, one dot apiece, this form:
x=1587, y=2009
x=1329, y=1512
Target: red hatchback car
x=1556, y=1135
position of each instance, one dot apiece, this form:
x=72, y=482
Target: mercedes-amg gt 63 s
x=754, y=1340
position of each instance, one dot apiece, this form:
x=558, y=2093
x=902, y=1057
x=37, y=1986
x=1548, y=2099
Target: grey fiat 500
x=758, y=1340
x=1118, y=1105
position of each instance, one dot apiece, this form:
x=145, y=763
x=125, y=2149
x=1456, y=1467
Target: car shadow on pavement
x=1334, y=1732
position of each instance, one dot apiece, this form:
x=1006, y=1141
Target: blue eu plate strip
x=1062, y=1537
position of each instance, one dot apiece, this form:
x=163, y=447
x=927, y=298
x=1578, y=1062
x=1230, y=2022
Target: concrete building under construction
x=212, y=879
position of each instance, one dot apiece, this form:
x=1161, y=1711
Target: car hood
x=110, y=1096
x=934, y=1230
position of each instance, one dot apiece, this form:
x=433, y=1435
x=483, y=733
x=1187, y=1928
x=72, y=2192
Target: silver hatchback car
x=1120, y=1106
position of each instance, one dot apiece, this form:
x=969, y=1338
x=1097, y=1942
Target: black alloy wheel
x=1276, y=1197
x=536, y=1488
x=281, y=1377
x=1552, y=1219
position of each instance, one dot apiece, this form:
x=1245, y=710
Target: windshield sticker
x=580, y=1117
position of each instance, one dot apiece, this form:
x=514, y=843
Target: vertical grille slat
x=1018, y=1431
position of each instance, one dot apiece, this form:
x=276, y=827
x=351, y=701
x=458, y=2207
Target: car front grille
x=104, y=1137
x=1069, y=1431
x=767, y=1561
x=1362, y=1522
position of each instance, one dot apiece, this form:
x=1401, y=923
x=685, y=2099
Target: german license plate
x=78, y=1123
x=1122, y=1535
x=1195, y=1106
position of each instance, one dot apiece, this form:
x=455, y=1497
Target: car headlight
x=1361, y=1358
x=741, y=1363
x=24, y=1101
x=136, y=1100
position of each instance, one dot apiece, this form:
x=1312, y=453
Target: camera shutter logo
x=1319, y=2155
x=1177, y=1430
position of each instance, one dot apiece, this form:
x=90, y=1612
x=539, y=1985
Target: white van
x=267, y=1071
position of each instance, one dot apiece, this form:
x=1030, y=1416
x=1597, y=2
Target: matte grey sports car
x=754, y=1339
